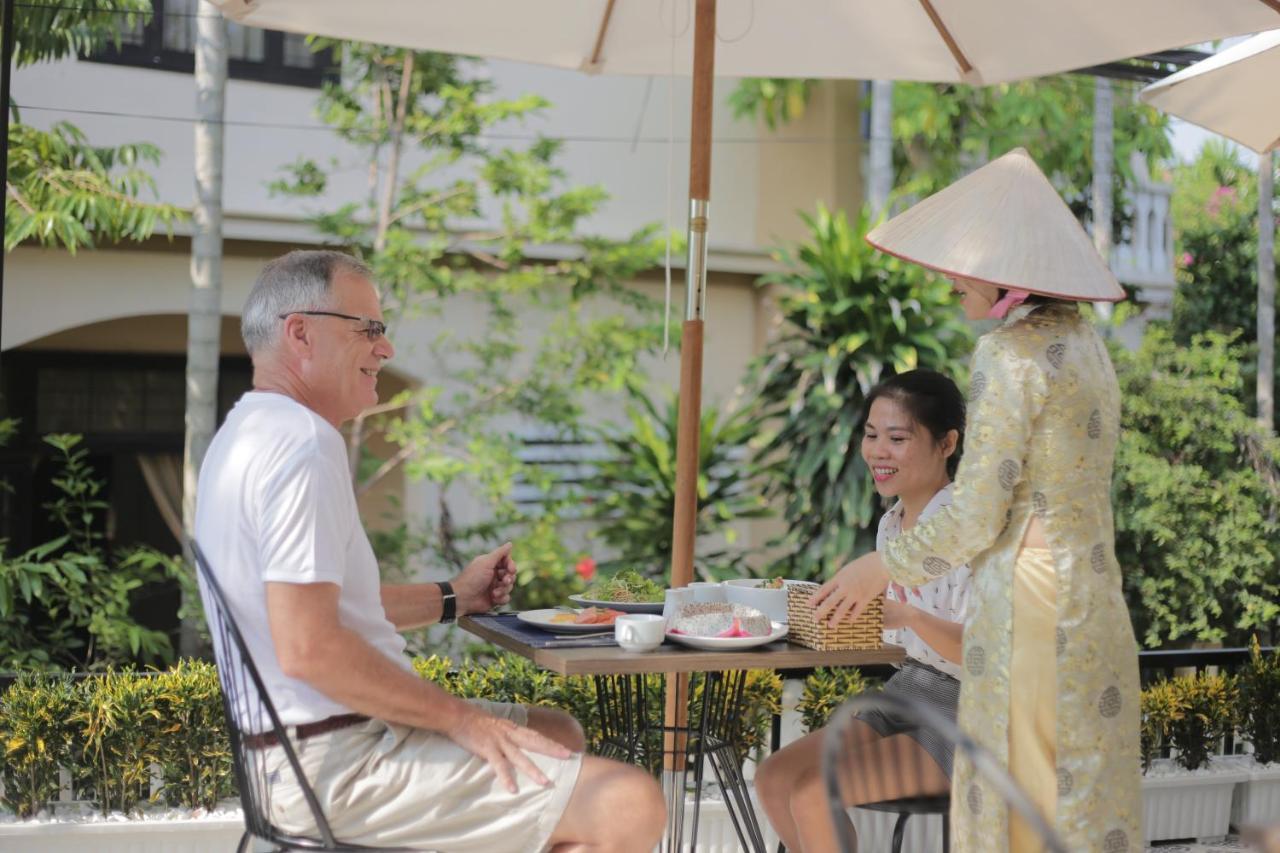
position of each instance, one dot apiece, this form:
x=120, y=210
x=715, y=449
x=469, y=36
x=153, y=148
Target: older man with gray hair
x=394, y=759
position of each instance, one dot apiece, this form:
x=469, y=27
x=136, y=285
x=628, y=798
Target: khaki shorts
x=384, y=784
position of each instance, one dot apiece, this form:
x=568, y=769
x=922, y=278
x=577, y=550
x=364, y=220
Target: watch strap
x=448, y=602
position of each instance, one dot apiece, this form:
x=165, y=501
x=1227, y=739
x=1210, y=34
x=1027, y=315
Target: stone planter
x=1179, y=803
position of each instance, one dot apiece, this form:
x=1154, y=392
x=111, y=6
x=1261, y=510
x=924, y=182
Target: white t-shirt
x=275, y=503
x=946, y=598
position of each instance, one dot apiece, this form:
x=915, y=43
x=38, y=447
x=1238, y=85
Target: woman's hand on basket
x=846, y=595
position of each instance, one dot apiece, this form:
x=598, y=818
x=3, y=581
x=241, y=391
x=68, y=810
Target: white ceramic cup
x=639, y=632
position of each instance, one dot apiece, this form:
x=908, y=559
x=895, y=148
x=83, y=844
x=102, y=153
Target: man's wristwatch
x=448, y=601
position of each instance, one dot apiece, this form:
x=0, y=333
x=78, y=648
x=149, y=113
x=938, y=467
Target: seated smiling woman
x=913, y=431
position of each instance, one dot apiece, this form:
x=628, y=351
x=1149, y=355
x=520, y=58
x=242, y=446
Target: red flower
x=586, y=568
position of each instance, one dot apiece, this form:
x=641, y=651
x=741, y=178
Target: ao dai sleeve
x=1007, y=392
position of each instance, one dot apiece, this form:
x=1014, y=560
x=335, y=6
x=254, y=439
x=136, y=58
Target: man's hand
x=847, y=594
x=486, y=582
x=503, y=744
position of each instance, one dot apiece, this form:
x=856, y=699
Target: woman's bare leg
x=889, y=768
x=778, y=775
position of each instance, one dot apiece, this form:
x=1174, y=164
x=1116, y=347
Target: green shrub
x=117, y=729
x=826, y=690
x=1259, y=683
x=1196, y=488
x=191, y=747
x=37, y=740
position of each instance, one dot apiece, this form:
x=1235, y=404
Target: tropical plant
x=116, y=725
x=1195, y=495
x=631, y=494
x=1161, y=706
x=34, y=711
x=1209, y=713
x=1259, y=682
x=826, y=690
x=62, y=189
x=191, y=750
x=66, y=602
x=851, y=315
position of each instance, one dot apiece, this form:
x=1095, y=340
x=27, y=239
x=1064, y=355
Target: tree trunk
x=880, y=160
x=1266, y=290
x=393, y=158
x=1103, y=171
x=205, y=320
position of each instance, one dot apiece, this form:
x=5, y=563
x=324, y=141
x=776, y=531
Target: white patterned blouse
x=947, y=597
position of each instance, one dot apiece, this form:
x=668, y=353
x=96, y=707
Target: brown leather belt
x=306, y=730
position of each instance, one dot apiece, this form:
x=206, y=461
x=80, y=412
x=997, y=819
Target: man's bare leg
x=614, y=807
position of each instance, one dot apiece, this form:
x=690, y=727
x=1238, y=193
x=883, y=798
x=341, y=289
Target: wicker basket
x=804, y=630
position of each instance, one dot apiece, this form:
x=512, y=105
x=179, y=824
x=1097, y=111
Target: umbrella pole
x=684, y=522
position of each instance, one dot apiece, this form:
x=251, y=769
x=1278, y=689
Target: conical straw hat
x=1005, y=225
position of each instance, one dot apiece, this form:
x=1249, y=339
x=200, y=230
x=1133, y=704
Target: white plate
x=726, y=644
x=624, y=606
x=542, y=619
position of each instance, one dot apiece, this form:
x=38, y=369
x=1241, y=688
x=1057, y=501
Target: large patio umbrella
x=1237, y=93
x=972, y=41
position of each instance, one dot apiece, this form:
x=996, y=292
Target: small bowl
x=770, y=602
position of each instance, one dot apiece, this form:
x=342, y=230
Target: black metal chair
x=237, y=673
x=835, y=769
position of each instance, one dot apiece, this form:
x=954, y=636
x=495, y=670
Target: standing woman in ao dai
x=1051, y=672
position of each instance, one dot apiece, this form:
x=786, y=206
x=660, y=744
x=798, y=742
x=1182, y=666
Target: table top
x=611, y=660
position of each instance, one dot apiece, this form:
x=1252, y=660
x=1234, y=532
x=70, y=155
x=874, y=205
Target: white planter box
x=1179, y=803
x=1257, y=800
x=194, y=835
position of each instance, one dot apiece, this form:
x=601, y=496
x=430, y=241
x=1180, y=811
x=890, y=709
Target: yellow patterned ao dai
x=1043, y=423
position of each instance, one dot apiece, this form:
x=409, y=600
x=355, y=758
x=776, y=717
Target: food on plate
x=772, y=583
x=627, y=586
x=717, y=619
x=587, y=616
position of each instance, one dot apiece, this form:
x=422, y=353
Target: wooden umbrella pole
x=684, y=525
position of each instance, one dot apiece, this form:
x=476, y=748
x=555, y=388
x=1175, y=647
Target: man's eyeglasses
x=373, y=329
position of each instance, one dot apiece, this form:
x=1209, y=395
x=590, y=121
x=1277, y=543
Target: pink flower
x=586, y=568
x=1220, y=195
x=1186, y=259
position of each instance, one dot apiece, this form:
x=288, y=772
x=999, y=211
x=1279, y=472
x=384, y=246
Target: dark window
x=125, y=406
x=168, y=40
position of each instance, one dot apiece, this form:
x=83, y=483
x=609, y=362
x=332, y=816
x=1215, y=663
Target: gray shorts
x=922, y=683
x=384, y=784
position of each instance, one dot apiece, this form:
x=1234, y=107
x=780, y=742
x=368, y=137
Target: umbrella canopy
x=1235, y=93
x=975, y=41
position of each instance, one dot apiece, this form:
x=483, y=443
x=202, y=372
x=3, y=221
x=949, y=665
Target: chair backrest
x=237, y=673
x=836, y=770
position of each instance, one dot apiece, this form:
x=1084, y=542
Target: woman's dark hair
x=931, y=399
